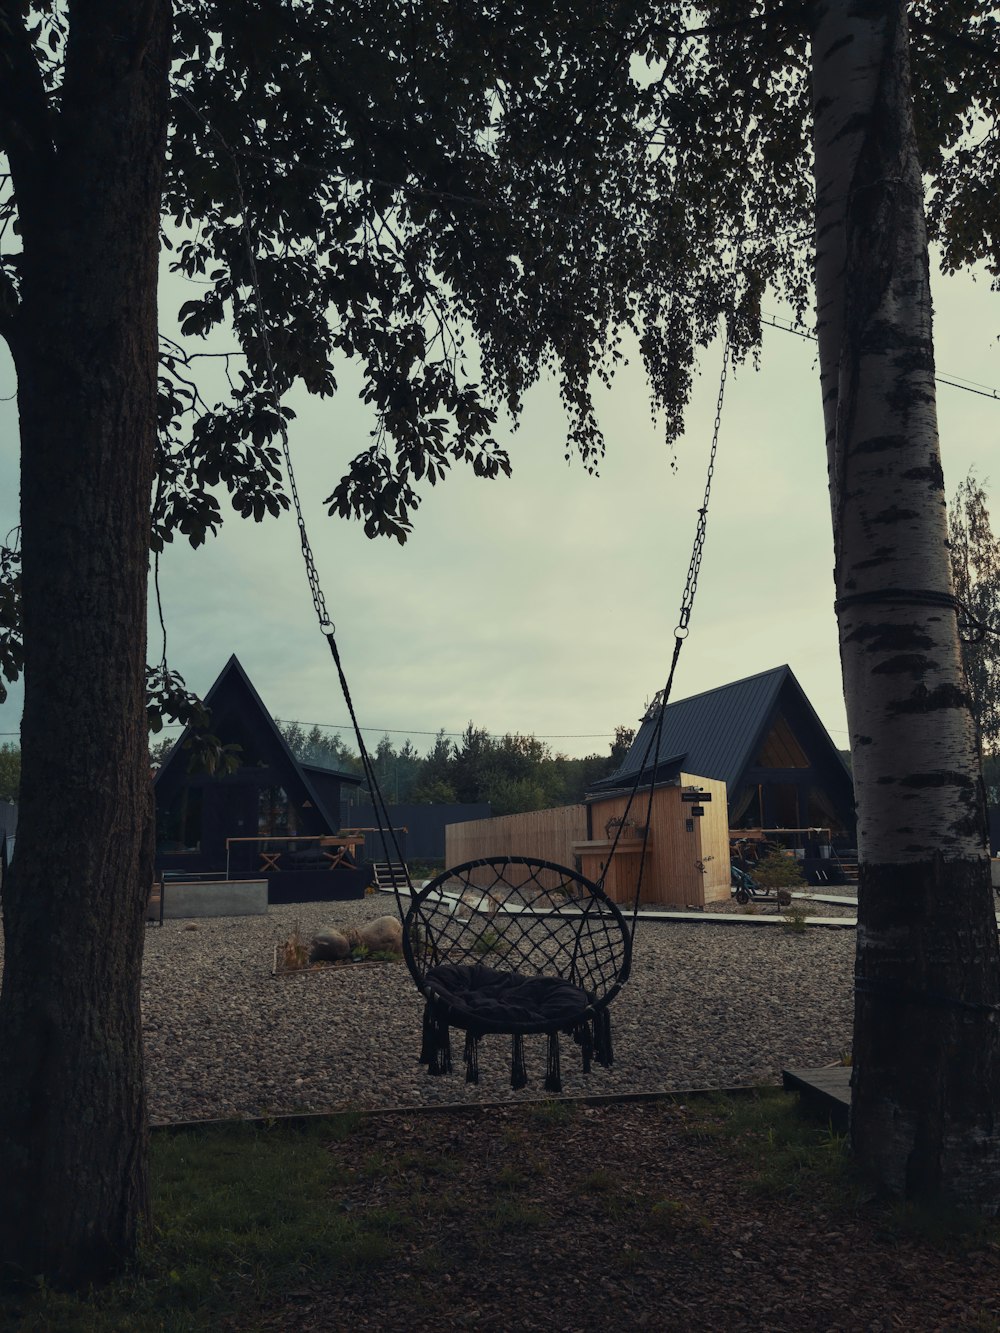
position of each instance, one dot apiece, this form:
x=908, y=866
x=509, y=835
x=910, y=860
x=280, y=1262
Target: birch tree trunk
x=73, y=1183
x=925, y=1117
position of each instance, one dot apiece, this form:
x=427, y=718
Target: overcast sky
x=545, y=604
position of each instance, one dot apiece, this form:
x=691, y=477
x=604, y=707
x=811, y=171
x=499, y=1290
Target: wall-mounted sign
x=697, y=797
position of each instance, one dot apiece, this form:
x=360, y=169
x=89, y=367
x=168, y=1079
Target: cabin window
x=745, y=809
x=276, y=815
x=781, y=749
x=823, y=813
x=178, y=828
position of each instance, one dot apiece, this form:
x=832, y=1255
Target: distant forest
x=513, y=773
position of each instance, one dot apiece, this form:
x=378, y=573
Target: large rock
x=329, y=946
x=384, y=934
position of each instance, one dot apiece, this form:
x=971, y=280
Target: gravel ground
x=706, y=1006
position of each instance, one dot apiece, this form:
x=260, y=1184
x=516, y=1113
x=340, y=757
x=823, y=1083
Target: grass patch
x=598, y=1181
x=247, y=1217
x=552, y=1112
x=793, y=921
x=674, y=1217
x=786, y=1155
x=240, y=1213
x=511, y=1178
x=952, y=1230
x=489, y=942
x=507, y=1215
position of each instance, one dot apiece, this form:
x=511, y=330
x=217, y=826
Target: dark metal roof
x=715, y=733
x=325, y=771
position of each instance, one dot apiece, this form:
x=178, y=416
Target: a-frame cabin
x=263, y=820
x=763, y=738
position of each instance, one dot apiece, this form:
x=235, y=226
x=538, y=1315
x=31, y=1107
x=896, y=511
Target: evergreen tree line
x=975, y=564
x=10, y=771
x=516, y=773
x=513, y=773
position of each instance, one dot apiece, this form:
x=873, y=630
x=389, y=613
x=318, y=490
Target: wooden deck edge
x=824, y=1093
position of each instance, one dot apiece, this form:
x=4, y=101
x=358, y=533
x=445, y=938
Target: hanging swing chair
x=505, y=945
x=516, y=945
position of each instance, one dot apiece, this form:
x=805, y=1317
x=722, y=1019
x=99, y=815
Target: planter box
x=235, y=897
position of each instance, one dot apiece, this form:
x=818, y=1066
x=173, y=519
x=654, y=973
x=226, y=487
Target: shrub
x=778, y=871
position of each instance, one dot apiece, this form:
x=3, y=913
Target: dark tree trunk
x=72, y=1109
x=927, y=1067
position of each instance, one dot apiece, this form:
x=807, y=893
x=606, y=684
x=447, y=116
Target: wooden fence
x=548, y=834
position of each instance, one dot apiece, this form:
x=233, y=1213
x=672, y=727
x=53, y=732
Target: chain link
x=694, y=568
x=326, y=625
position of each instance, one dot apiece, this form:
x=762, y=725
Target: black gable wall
x=793, y=776
x=269, y=794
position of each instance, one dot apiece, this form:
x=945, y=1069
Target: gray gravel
x=707, y=1006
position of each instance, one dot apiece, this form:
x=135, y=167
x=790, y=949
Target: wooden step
x=390, y=874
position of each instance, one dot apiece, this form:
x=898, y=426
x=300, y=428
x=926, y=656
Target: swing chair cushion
x=482, y=999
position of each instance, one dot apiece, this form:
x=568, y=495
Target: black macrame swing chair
x=510, y=945
x=517, y=945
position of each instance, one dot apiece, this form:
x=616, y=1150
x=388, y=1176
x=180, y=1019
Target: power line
x=952, y=381
x=415, y=731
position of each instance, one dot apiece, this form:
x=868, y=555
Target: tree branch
x=957, y=39
x=25, y=117
x=793, y=14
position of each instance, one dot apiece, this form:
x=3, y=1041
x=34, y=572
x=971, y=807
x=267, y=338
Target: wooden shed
x=687, y=856
x=687, y=850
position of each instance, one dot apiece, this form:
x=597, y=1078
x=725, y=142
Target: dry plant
x=293, y=953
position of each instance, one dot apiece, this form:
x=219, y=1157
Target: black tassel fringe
x=603, y=1051
x=553, y=1076
x=518, y=1070
x=593, y=1036
x=435, y=1048
x=471, y=1058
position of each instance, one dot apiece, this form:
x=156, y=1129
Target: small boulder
x=384, y=934
x=329, y=946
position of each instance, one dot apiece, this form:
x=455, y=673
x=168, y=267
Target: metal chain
x=326, y=625
x=971, y=629
x=694, y=568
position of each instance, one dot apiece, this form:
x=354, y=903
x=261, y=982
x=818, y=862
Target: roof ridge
x=732, y=684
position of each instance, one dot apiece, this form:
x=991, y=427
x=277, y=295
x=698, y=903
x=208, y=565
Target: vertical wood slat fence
x=547, y=834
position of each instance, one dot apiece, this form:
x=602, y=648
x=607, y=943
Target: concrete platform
x=201, y=898
x=705, y=918
x=837, y=899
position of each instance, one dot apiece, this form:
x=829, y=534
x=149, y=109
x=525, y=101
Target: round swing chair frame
x=519, y=946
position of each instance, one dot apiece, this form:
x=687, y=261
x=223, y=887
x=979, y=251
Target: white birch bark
x=926, y=1083
x=915, y=764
